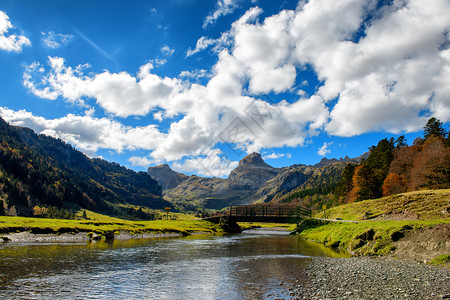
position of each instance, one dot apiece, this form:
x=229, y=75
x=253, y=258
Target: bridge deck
x=274, y=213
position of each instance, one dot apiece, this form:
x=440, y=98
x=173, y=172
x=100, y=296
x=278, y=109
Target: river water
x=251, y=265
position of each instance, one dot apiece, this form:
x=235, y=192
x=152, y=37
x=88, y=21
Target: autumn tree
x=352, y=195
x=393, y=184
x=431, y=167
x=401, y=166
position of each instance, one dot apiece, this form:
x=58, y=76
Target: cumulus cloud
x=212, y=164
x=140, y=161
x=385, y=79
x=380, y=68
x=11, y=42
x=120, y=94
x=86, y=132
x=55, y=40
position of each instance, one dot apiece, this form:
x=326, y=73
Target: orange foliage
x=352, y=195
x=393, y=184
x=431, y=167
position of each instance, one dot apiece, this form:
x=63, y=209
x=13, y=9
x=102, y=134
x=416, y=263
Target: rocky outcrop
x=251, y=173
x=166, y=177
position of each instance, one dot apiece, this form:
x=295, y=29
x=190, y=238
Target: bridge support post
x=229, y=225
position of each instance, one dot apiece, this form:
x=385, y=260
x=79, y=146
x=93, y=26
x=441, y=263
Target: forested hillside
x=394, y=167
x=40, y=175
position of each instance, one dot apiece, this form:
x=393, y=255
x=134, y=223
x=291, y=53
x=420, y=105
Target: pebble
x=369, y=278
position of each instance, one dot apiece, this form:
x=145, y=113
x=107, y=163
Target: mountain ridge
x=41, y=171
x=253, y=180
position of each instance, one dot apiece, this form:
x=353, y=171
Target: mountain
x=166, y=177
x=252, y=171
x=317, y=179
x=200, y=192
x=252, y=181
x=40, y=171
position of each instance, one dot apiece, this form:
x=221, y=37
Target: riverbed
x=257, y=264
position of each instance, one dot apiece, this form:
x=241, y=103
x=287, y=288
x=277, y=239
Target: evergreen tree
x=434, y=129
x=345, y=185
x=375, y=169
x=401, y=142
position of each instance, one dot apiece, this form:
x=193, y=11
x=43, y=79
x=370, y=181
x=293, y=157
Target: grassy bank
x=366, y=238
x=419, y=205
x=101, y=224
x=415, y=225
x=250, y=225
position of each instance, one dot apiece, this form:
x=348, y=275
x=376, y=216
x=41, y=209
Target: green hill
x=419, y=205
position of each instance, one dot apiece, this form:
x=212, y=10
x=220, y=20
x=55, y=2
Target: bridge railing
x=269, y=211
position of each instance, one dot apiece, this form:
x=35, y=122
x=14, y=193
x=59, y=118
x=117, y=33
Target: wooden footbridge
x=273, y=213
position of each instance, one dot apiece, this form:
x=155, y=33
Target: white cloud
x=196, y=74
x=166, y=50
x=88, y=133
x=11, y=42
x=202, y=44
x=274, y=155
x=376, y=78
x=140, y=161
x=223, y=8
x=323, y=151
x=118, y=93
x=211, y=163
x=55, y=40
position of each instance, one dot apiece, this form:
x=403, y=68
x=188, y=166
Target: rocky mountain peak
x=252, y=172
x=254, y=159
x=166, y=177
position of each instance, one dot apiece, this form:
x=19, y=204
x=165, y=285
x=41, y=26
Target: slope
x=37, y=170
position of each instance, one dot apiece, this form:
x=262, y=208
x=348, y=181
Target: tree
x=371, y=177
x=345, y=185
x=393, y=184
x=431, y=167
x=434, y=129
x=401, y=142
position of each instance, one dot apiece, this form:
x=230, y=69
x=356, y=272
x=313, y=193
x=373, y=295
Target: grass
x=364, y=238
x=394, y=215
x=443, y=259
x=423, y=205
x=250, y=225
x=101, y=224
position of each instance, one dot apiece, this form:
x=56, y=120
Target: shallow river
x=251, y=265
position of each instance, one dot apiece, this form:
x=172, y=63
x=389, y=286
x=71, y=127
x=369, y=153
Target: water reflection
x=245, y=266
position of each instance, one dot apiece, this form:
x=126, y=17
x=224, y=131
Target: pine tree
x=434, y=129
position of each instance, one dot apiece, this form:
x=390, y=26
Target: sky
x=200, y=84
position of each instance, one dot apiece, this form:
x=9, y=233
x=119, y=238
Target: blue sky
x=199, y=84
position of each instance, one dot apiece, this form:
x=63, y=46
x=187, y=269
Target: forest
x=393, y=167
x=43, y=176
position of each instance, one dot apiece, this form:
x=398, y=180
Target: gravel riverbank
x=370, y=278
x=27, y=237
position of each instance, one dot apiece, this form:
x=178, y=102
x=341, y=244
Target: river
x=257, y=264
